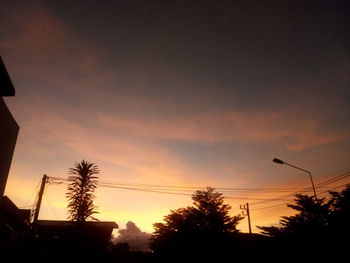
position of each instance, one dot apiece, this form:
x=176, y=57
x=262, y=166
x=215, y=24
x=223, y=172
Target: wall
x=8, y=137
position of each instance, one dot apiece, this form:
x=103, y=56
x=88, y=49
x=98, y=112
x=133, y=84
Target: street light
x=276, y=160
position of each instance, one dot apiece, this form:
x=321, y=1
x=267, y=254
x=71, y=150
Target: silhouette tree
x=340, y=213
x=80, y=191
x=302, y=234
x=203, y=227
x=316, y=227
x=311, y=219
x=340, y=204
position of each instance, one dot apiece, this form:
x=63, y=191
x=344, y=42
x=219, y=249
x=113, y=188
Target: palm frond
x=80, y=191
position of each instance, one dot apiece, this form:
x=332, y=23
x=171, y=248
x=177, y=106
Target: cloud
x=60, y=59
x=48, y=135
x=132, y=235
x=296, y=132
x=43, y=47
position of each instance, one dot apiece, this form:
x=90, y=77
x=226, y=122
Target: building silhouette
x=97, y=231
x=8, y=127
x=13, y=221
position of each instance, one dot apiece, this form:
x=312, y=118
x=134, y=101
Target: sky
x=177, y=93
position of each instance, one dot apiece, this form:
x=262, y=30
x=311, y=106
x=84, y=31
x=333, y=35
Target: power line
x=327, y=191
x=48, y=199
x=144, y=190
x=267, y=207
x=335, y=179
x=175, y=193
x=31, y=196
x=222, y=189
x=272, y=206
x=322, y=184
x=181, y=190
x=188, y=188
x=164, y=191
x=174, y=190
x=336, y=187
x=229, y=189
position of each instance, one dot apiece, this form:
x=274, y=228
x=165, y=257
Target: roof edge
x=6, y=86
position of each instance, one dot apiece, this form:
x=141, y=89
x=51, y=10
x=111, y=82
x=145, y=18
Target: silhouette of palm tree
x=80, y=191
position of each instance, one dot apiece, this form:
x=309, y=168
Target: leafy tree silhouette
x=205, y=227
x=316, y=227
x=80, y=191
x=311, y=218
x=339, y=227
x=340, y=207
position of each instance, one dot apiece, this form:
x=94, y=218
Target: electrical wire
x=181, y=190
x=47, y=198
x=322, y=184
x=143, y=190
x=272, y=206
x=32, y=194
x=268, y=207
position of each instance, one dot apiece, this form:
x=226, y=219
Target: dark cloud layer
x=236, y=54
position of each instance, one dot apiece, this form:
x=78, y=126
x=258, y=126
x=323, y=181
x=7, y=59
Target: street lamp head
x=276, y=160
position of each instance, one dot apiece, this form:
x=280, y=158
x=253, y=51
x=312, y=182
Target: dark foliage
x=80, y=191
x=340, y=211
x=199, y=230
x=312, y=218
x=319, y=229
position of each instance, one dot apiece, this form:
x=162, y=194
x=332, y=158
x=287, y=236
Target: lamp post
x=276, y=160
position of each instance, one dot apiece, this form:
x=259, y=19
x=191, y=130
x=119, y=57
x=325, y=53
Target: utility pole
x=246, y=212
x=40, y=197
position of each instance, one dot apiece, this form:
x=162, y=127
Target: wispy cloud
x=232, y=126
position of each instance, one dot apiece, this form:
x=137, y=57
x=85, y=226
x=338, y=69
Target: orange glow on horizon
x=150, y=113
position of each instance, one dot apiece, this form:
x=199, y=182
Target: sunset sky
x=177, y=93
